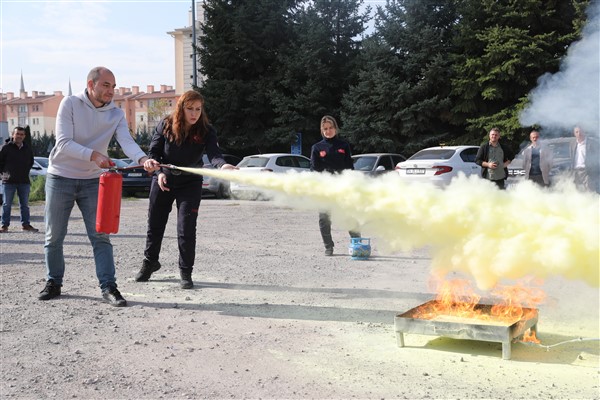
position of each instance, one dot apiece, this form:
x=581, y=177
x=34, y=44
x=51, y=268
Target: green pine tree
x=501, y=50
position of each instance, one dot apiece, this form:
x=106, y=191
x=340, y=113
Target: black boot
x=186, y=278
x=148, y=267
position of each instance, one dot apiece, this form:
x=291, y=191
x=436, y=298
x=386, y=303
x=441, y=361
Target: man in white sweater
x=85, y=125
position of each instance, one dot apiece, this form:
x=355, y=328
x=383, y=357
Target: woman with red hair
x=180, y=139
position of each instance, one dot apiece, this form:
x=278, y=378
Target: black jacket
x=331, y=155
x=189, y=154
x=17, y=162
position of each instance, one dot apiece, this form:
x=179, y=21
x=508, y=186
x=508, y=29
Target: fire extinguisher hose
x=170, y=166
x=126, y=168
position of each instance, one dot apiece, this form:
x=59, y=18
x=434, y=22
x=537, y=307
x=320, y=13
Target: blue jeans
x=61, y=196
x=22, y=190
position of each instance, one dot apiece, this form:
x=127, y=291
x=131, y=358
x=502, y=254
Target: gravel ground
x=270, y=317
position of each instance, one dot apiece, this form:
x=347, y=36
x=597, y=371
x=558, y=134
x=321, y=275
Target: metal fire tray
x=488, y=330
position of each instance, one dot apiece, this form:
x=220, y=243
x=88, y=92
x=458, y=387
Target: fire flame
x=457, y=298
x=529, y=336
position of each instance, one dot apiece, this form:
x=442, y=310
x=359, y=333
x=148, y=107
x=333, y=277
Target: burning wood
x=457, y=313
x=458, y=299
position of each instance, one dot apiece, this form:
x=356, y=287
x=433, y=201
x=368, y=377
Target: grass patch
x=37, y=192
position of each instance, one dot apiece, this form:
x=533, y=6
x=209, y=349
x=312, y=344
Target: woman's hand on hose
x=151, y=165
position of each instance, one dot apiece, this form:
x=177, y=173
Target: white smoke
x=571, y=96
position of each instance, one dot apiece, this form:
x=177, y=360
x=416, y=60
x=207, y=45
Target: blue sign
x=297, y=144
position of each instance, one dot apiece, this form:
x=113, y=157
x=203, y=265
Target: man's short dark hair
x=94, y=74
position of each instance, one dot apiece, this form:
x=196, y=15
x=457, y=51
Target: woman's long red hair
x=174, y=129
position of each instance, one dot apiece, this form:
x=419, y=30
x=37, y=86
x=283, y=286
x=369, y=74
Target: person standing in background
x=332, y=155
x=537, y=160
x=180, y=139
x=494, y=159
x=16, y=160
x=85, y=124
x=585, y=158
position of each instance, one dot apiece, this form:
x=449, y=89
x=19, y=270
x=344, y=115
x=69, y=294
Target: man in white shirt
x=585, y=161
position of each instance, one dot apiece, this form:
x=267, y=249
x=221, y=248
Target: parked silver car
x=37, y=169
x=561, y=161
x=376, y=163
x=266, y=163
x=217, y=187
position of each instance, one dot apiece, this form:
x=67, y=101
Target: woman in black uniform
x=180, y=139
x=332, y=155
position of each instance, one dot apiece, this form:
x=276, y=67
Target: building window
x=23, y=108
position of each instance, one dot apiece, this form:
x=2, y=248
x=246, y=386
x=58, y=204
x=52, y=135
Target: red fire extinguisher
x=109, y=202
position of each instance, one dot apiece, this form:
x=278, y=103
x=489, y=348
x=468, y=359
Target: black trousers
x=499, y=183
x=186, y=191
x=539, y=179
x=325, y=228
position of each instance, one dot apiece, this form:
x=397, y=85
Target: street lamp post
x=194, y=77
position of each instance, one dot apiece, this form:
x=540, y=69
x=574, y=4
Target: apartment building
x=184, y=52
x=144, y=110
x=38, y=111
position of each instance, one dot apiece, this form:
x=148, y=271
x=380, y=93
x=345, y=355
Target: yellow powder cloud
x=470, y=226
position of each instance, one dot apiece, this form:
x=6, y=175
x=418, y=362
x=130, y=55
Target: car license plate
x=415, y=171
x=134, y=174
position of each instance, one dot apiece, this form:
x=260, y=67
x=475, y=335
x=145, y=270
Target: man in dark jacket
x=494, y=159
x=16, y=160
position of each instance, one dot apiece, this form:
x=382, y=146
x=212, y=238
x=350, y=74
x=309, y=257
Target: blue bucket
x=360, y=248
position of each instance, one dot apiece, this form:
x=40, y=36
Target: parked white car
x=439, y=165
x=266, y=163
x=43, y=161
x=37, y=169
